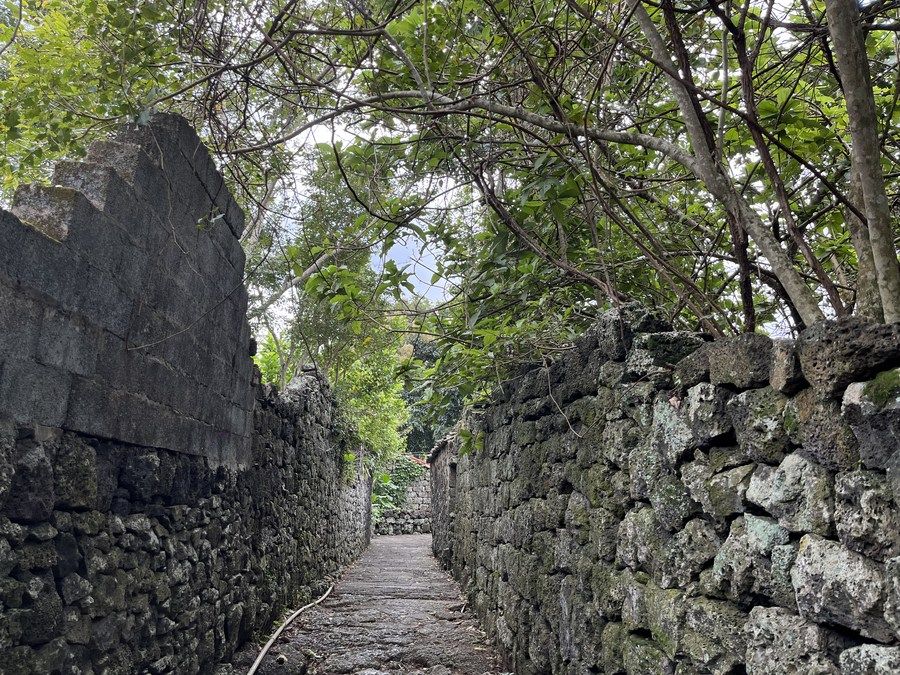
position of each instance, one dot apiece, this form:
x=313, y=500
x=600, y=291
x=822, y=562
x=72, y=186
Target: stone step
x=49, y=209
x=91, y=179
x=123, y=158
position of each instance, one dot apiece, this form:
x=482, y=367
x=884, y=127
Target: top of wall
x=122, y=304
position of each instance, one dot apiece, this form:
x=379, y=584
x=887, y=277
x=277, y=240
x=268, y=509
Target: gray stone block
x=757, y=417
x=817, y=426
x=20, y=322
x=31, y=392
x=833, y=584
x=785, y=374
x=742, y=362
x=866, y=516
x=54, y=211
x=31, y=494
x=68, y=342
x=835, y=353
x=872, y=409
x=870, y=660
x=780, y=643
x=799, y=493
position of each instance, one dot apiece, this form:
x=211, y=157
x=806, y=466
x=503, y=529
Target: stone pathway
x=394, y=611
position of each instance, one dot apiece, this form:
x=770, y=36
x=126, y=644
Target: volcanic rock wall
x=696, y=506
x=414, y=515
x=158, y=506
x=122, y=304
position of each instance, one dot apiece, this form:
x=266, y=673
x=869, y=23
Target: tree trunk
x=721, y=187
x=868, y=300
x=865, y=156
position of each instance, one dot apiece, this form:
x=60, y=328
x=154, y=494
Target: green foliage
x=500, y=137
x=390, y=486
x=369, y=392
x=268, y=362
x=75, y=67
x=371, y=396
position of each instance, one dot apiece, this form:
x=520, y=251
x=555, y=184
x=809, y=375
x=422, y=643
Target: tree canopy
x=734, y=164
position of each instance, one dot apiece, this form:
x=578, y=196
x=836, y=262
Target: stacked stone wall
x=122, y=303
x=414, y=515
x=696, y=507
x=158, y=506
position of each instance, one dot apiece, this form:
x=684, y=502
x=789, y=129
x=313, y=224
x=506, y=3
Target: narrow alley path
x=394, y=611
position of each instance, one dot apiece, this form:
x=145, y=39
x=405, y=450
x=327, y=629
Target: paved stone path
x=394, y=611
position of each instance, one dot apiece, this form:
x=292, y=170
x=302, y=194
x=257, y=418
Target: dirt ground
x=394, y=611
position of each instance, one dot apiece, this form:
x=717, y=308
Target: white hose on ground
x=287, y=622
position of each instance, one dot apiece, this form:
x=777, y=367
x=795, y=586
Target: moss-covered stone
x=884, y=388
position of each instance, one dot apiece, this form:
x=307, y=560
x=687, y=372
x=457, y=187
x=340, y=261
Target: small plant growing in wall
x=470, y=441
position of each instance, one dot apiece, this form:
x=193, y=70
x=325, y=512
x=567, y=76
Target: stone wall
x=699, y=506
x=158, y=506
x=414, y=515
x=122, y=304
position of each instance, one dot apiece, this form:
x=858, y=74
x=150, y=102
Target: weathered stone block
x=834, y=584
x=641, y=537
x=757, y=417
x=892, y=601
x=799, y=493
x=692, y=369
x=714, y=636
x=755, y=560
x=672, y=502
x=867, y=519
x=75, y=473
x=615, y=329
x=870, y=660
x=611, y=646
x=68, y=343
x=785, y=375
x=664, y=610
x=681, y=425
x=872, y=409
x=644, y=657
x=817, y=426
x=781, y=643
x=835, y=353
x=7, y=455
x=20, y=322
x=34, y=393
x=42, y=620
x=684, y=555
x=655, y=354
x=741, y=362
x=31, y=494
x=719, y=494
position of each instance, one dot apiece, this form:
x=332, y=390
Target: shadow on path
x=394, y=611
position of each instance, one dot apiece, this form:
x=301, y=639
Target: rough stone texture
x=818, y=428
x=714, y=519
x=837, y=585
x=122, y=304
x=799, y=493
x=757, y=417
x=835, y=353
x=785, y=375
x=157, y=506
x=781, y=643
x=870, y=660
x=866, y=516
x=414, y=515
x=395, y=611
x=872, y=410
x=743, y=361
x=169, y=563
